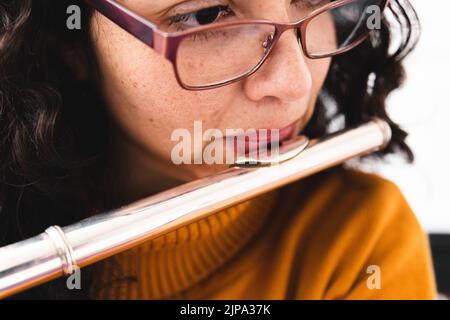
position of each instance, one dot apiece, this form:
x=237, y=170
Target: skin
x=147, y=104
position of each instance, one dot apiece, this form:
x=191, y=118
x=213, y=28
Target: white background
x=422, y=107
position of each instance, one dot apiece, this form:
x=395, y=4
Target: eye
x=201, y=17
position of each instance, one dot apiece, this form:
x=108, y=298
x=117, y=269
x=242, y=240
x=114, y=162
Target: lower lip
x=264, y=138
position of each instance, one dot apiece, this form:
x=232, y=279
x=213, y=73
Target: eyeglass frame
x=167, y=44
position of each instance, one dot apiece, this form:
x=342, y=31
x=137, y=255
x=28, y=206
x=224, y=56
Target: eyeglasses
x=214, y=54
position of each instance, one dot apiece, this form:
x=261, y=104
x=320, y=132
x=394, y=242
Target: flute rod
x=59, y=251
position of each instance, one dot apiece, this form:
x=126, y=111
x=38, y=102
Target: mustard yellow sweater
x=340, y=234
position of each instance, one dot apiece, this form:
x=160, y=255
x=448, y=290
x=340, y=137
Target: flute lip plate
x=288, y=149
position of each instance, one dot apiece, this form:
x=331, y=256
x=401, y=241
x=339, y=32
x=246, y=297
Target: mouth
x=265, y=137
x=283, y=134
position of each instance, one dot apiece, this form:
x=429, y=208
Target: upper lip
x=284, y=132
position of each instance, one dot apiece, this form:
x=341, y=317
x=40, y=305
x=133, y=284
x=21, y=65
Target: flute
x=59, y=251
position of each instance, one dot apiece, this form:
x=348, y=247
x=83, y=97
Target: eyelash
x=224, y=11
x=178, y=19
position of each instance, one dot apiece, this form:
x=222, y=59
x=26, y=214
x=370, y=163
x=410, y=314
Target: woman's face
x=147, y=104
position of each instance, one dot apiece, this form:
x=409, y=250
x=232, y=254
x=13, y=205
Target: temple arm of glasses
x=127, y=19
x=362, y=20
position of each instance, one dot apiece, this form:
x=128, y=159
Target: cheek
x=319, y=70
x=141, y=90
x=131, y=72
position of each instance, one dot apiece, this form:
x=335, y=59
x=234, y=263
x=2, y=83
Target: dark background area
x=440, y=247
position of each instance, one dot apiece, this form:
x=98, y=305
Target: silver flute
x=60, y=251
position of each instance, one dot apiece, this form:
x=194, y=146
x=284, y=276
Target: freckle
x=216, y=113
x=135, y=84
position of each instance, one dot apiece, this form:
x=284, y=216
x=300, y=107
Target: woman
x=87, y=116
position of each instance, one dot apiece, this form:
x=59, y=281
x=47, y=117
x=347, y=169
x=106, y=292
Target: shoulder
x=354, y=220
x=378, y=206
x=348, y=194
x=357, y=194
x=365, y=206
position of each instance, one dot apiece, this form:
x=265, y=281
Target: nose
x=284, y=75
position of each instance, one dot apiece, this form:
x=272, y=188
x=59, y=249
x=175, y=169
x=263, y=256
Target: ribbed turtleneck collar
x=180, y=259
